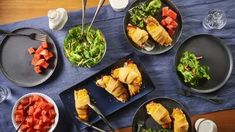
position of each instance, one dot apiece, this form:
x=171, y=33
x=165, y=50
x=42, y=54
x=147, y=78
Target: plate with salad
x=152, y=26
x=203, y=63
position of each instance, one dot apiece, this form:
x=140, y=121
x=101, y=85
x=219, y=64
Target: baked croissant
x=157, y=32
x=114, y=87
x=159, y=113
x=180, y=121
x=82, y=100
x=137, y=35
x=130, y=75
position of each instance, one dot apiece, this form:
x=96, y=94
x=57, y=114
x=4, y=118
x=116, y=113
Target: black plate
x=215, y=54
x=15, y=61
x=169, y=104
x=102, y=99
x=158, y=49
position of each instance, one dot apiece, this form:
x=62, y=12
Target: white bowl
x=47, y=98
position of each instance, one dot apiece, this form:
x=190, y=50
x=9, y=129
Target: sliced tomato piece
x=165, y=11
x=37, y=69
x=24, y=101
x=19, y=112
x=40, y=48
x=30, y=130
x=44, y=44
x=37, y=127
x=163, y=22
x=45, y=119
x=31, y=50
x=44, y=65
x=172, y=14
x=171, y=32
x=170, y=27
x=31, y=110
x=49, y=56
x=52, y=113
x=20, y=107
x=19, y=118
x=44, y=52
x=168, y=20
x=40, y=62
x=47, y=127
x=29, y=120
x=174, y=24
x=24, y=127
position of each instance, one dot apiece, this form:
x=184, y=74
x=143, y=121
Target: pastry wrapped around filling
x=180, y=121
x=114, y=87
x=82, y=100
x=159, y=113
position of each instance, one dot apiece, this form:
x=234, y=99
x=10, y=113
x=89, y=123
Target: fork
x=140, y=125
x=33, y=36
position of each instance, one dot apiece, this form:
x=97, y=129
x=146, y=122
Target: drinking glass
x=5, y=92
x=215, y=19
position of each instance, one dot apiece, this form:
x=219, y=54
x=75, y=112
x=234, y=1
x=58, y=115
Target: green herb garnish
x=164, y=130
x=191, y=69
x=84, y=50
x=142, y=10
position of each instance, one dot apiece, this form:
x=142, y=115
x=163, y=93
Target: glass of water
x=215, y=19
x=5, y=93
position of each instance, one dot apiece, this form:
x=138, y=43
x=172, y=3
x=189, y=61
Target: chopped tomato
x=40, y=48
x=165, y=11
x=44, y=44
x=24, y=127
x=170, y=27
x=163, y=22
x=49, y=56
x=37, y=69
x=168, y=20
x=31, y=50
x=37, y=127
x=172, y=14
x=20, y=107
x=40, y=62
x=44, y=65
x=19, y=112
x=174, y=24
x=171, y=32
x=44, y=52
x=19, y=118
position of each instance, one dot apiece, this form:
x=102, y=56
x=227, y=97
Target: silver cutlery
x=140, y=124
x=83, y=14
x=33, y=36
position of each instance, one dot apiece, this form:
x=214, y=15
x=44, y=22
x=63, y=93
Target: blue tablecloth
x=160, y=67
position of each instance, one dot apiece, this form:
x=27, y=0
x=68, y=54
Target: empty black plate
x=158, y=49
x=169, y=104
x=15, y=61
x=215, y=54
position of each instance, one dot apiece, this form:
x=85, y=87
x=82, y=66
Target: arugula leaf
x=191, y=69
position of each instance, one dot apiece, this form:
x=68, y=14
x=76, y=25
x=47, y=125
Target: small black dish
x=15, y=61
x=103, y=100
x=158, y=49
x=169, y=104
x=215, y=54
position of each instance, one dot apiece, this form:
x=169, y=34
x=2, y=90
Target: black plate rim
x=147, y=52
x=104, y=41
x=111, y=65
x=230, y=59
x=47, y=77
x=159, y=98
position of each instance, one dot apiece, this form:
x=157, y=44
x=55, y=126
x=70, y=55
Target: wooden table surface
x=16, y=10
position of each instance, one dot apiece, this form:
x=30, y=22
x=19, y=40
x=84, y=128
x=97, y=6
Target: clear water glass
x=5, y=93
x=215, y=19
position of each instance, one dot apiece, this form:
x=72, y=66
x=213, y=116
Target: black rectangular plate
x=102, y=99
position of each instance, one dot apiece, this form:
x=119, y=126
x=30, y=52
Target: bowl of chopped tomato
x=37, y=111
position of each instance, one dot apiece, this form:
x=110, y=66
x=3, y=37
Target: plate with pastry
x=161, y=115
x=152, y=26
x=116, y=86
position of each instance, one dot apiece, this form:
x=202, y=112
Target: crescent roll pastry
x=114, y=87
x=180, y=121
x=157, y=32
x=159, y=113
x=137, y=35
x=130, y=75
x=82, y=100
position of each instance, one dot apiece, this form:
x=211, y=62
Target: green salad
x=189, y=66
x=142, y=10
x=84, y=50
x=151, y=130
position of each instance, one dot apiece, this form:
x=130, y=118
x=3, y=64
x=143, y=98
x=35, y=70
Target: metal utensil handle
x=213, y=99
x=83, y=14
x=90, y=125
x=3, y=32
x=101, y=2
x=102, y=116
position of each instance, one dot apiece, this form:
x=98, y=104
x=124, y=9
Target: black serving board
x=15, y=61
x=169, y=104
x=102, y=99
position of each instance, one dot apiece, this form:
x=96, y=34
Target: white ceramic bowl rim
x=47, y=98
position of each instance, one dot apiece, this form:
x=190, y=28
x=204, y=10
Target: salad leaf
x=142, y=10
x=191, y=69
x=84, y=50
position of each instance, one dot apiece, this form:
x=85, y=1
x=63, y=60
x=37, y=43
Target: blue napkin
x=160, y=67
